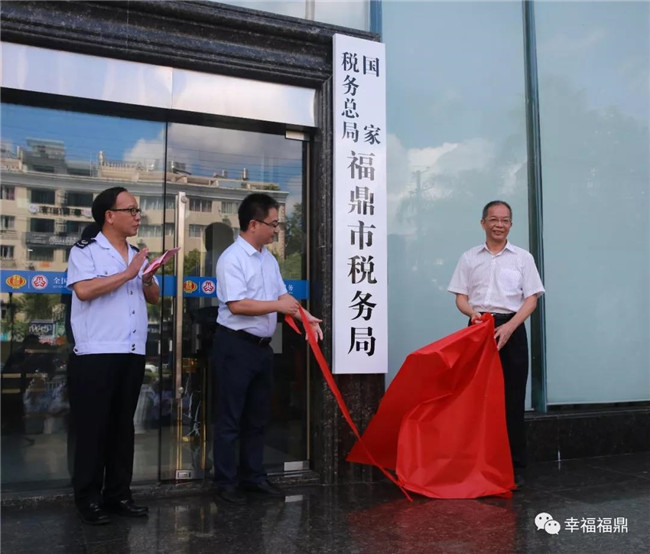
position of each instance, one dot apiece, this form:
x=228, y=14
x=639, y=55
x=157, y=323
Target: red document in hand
x=154, y=265
x=441, y=424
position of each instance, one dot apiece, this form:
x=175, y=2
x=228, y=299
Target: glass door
x=53, y=163
x=209, y=172
x=188, y=181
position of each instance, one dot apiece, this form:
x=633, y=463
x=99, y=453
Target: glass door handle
x=178, y=311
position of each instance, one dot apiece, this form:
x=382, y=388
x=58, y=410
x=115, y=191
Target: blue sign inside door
x=54, y=282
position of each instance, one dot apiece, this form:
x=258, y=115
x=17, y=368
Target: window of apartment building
x=74, y=227
x=150, y=231
x=41, y=225
x=6, y=252
x=229, y=207
x=43, y=168
x=196, y=230
x=200, y=205
x=156, y=230
x=7, y=222
x=40, y=254
x=7, y=192
x=42, y=196
x=156, y=203
x=80, y=199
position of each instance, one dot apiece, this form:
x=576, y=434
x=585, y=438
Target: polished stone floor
x=599, y=504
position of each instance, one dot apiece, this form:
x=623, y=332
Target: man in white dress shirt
x=251, y=293
x=502, y=279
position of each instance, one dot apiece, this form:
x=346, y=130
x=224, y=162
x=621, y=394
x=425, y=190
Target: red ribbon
x=329, y=379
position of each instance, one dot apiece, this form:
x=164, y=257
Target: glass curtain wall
x=593, y=62
x=346, y=13
x=457, y=140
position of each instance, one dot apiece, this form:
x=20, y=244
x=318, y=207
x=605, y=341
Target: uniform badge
x=83, y=243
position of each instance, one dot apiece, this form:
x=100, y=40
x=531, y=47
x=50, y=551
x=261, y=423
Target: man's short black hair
x=105, y=201
x=255, y=206
x=496, y=203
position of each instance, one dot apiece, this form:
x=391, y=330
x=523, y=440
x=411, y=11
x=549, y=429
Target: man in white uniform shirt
x=109, y=323
x=251, y=293
x=500, y=278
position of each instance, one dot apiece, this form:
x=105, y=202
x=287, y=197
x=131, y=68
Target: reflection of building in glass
x=46, y=201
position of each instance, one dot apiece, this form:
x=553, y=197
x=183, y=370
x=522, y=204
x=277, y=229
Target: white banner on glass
x=360, y=318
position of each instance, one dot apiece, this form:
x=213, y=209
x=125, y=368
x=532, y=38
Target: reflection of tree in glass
x=291, y=266
x=595, y=172
x=192, y=263
x=294, y=232
x=27, y=308
x=36, y=306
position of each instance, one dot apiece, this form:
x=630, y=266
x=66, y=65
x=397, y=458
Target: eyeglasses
x=132, y=211
x=495, y=220
x=274, y=224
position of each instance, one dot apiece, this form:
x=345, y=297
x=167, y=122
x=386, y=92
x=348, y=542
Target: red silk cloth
x=441, y=424
x=329, y=379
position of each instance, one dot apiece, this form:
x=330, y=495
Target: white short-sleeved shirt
x=245, y=273
x=116, y=322
x=497, y=283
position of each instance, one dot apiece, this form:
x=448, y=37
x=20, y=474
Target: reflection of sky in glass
x=594, y=62
x=457, y=140
x=84, y=135
x=205, y=150
x=267, y=158
x=605, y=49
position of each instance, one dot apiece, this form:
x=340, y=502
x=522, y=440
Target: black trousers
x=514, y=360
x=104, y=391
x=244, y=381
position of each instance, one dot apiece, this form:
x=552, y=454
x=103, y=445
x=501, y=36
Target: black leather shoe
x=263, y=487
x=231, y=494
x=93, y=514
x=126, y=508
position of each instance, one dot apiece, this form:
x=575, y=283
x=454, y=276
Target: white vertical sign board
x=360, y=318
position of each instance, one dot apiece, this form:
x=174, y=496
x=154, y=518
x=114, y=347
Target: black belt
x=501, y=317
x=260, y=341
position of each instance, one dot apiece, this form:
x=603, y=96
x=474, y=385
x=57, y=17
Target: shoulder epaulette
x=134, y=248
x=83, y=243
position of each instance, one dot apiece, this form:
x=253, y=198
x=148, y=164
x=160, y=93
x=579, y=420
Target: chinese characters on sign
x=360, y=314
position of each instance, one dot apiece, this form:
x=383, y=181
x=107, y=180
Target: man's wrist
x=148, y=283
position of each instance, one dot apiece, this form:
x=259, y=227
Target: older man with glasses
x=500, y=278
x=109, y=324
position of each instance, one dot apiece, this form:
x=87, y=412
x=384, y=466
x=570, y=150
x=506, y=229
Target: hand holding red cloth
x=441, y=424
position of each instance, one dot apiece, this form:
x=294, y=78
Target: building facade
x=192, y=105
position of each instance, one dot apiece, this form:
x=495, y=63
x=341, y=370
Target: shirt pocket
x=107, y=267
x=255, y=285
x=510, y=280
